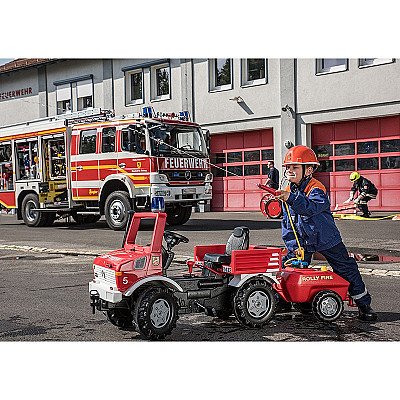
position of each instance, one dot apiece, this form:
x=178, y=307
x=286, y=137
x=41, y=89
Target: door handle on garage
x=122, y=165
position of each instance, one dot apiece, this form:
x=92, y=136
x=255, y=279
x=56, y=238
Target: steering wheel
x=174, y=238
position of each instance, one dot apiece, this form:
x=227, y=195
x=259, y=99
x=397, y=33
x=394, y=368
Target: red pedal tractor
x=132, y=285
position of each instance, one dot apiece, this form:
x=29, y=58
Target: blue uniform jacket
x=310, y=209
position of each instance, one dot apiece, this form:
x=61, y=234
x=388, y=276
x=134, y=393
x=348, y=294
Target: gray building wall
x=20, y=108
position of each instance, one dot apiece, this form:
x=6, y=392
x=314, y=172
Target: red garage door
x=241, y=160
x=370, y=146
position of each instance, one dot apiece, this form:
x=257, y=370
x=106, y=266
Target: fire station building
x=347, y=110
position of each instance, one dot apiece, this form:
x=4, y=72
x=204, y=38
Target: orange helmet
x=300, y=155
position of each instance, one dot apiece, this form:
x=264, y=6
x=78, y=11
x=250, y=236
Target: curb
x=179, y=259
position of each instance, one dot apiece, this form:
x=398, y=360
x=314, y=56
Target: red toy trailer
x=132, y=286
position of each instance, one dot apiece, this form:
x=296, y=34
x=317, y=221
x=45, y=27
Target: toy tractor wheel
x=156, y=313
x=121, y=317
x=327, y=306
x=254, y=303
x=178, y=215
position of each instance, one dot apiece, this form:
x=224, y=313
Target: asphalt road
x=45, y=296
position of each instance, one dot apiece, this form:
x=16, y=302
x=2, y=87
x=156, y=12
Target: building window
x=254, y=71
x=344, y=149
x=390, y=146
x=368, y=163
x=64, y=97
x=369, y=62
x=84, y=94
x=161, y=82
x=329, y=65
x=74, y=96
x=134, y=87
x=220, y=71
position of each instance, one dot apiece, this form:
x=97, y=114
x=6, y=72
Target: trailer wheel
x=121, y=317
x=178, y=215
x=156, y=313
x=327, y=306
x=33, y=218
x=254, y=303
x=116, y=210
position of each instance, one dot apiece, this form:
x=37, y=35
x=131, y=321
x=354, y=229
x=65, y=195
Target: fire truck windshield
x=168, y=139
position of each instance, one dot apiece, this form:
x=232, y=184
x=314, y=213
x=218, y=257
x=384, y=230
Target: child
x=310, y=210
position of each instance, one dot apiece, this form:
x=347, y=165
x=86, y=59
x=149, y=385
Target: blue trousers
x=346, y=267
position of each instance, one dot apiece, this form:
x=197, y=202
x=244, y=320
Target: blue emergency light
x=184, y=115
x=157, y=204
x=147, y=112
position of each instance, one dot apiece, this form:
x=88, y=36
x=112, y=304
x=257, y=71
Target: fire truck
x=88, y=164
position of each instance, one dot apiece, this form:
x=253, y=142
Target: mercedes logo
x=188, y=175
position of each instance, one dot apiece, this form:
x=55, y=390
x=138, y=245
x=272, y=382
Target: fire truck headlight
x=209, y=177
x=163, y=178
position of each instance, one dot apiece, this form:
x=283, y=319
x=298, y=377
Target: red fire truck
x=90, y=164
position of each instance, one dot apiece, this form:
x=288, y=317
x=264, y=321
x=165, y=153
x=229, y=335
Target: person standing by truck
x=365, y=190
x=310, y=213
x=273, y=176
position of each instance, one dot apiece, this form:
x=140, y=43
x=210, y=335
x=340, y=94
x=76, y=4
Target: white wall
x=23, y=108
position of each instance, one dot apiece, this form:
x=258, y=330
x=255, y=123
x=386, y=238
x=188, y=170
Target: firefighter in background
x=309, y=207
x=366, y=191
x=273, y=176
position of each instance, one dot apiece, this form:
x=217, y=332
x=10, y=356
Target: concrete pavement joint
x=179, y=259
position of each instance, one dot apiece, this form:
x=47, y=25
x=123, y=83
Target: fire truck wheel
x=254, y=303
x=85, y=219
x=156, y=313
x=327, y=306
x=33, y=218
x=178, y=215
x=121, y=317
x=116, y=210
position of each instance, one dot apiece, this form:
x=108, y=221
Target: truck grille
x=185, y=176
x=104, y=274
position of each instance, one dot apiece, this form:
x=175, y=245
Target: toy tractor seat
x=239, y=240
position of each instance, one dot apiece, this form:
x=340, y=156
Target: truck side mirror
x=207, y=138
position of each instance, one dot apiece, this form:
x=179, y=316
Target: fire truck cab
x=90, y=164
